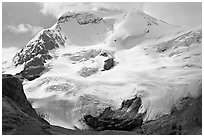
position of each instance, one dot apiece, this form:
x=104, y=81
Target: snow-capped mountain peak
x=88, y=61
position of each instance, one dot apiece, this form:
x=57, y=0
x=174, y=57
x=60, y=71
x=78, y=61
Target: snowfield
x=157, y=61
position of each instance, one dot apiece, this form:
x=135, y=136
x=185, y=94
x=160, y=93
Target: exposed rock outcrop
x=39, y=47
x=35, y=54
x=109, y=63
x=31, y=73
x=187, y=120
x=13, y=89
x=82, y=18
x=126, y=118
x=18, y=116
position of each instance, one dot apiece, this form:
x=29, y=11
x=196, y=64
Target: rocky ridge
x=40, y=49
x=82, y=18
x=36, y=53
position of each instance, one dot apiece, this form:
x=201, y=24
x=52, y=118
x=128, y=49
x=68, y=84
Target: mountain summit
x=127, y=67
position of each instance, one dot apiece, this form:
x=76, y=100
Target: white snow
x=7, y=64
x=160, y=80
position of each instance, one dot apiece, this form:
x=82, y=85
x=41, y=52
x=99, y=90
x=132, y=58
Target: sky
x=22, y=21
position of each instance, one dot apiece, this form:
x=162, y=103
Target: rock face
x=187, y=120
x=13, y=89
x=35, y=54
x=17, y=112
x=32, y=73
x=109, y=63
x=126, y=118
x=39, y=47
x=82, y=18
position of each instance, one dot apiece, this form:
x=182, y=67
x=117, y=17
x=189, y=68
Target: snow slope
x=155, y=60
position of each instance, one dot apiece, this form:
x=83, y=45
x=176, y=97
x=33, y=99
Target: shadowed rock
x=185, y=120
x=108, y=64
x=13, y=89
x=125, y=118
x=17, y=112
x=31, y=73
x=35, y=54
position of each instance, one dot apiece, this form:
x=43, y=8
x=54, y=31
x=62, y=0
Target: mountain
x=89, y=64
x=19, y=118
x=16, y=110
